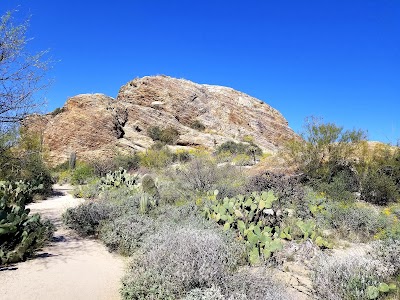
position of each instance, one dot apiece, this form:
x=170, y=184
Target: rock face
x=95, y=125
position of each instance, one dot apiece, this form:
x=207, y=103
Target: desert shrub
x=182, y=156
x=125, y=233
x=198, y=175
x=167, y=135
x=87, y=191
x=57, y=111
x=249, y=284
x=341, y=187
x=81, y=174
x=288, y=189
x=108, y=165
x=254, y=284
x=387, y=252
x=177, y=261
x=379, y=188
x=21, y=233
x=347, y=278
x=357, y=221
x=87, y=217
x=202, y=174
x=61, y=167
x=127, y=161
x=209, y=293
x=250, y=149
x=324, y=151
x=154, y=132
x=243, y=160
x=197, y=125
x=156, y=159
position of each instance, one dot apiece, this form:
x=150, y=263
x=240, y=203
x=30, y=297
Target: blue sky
x=339, y=60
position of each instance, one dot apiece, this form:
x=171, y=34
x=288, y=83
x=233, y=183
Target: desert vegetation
x=318, y=219
x=197, y=229
x=23, y=173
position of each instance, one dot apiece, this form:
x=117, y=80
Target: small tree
x=324, y=151
x=21, y=73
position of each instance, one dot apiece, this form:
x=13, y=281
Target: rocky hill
x=96, y=125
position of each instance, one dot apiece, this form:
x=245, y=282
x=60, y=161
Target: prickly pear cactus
x=20, y=232
x=119, y=178
x=254, y=219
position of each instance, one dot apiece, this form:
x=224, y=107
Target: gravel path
x=69, y=268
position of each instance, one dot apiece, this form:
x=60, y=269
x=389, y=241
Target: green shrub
x=324, y=151
x=21, y=234
x=81, y=174
x=156, y=159
x=240, y=148
x=57, y=111
x=154, y=133
x=127, y=162
x=197, y=125
x=102, y=166
x=88, y=191
x=167, y=135
x=379, y=188
x=182, y=156
x=342, y=187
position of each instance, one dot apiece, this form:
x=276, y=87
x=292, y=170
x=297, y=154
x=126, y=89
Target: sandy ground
x=69, y=268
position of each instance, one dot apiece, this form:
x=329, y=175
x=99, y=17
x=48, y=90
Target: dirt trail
x=69, y=268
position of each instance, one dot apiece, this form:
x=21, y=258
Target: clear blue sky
x=339, y=60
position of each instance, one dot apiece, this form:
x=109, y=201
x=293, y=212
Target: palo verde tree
x=21, y=73
x=326, y=154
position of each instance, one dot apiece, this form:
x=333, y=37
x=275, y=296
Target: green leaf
x=383, y=287
x=248, y=202
x=241, y=226
x=267, y=253
x=372, y=292
x=227, y=226
x=252, y=238
x=254, y=257
x=238, y=213
x=261, y=204
x=257, y=230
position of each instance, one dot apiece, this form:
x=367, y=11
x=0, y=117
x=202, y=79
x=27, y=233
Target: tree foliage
x=21, y=73
x=324, y=150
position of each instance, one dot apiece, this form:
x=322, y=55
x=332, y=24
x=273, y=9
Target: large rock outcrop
x=95, y=125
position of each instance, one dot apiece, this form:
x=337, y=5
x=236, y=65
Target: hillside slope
x=96, y=125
